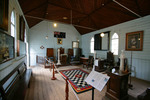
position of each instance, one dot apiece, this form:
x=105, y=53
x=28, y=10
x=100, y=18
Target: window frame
x=15, y=29
x=91, y=42
x=114, y=38
x=13, y=24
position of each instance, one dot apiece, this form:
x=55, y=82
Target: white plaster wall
x=8, y=66
x=37, y=38
x=140, y=59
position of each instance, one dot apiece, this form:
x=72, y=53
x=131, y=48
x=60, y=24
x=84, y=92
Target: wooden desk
x=117, y=86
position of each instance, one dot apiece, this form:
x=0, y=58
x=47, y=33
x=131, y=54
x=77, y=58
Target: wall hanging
x=134, y=41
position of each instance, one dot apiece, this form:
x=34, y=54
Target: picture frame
x=134, y=41
x=4, y=14
x=59, y=41
x=75, y=44
x=7, y=50
x=58, y=34
x=22, y=28
x=21, y=48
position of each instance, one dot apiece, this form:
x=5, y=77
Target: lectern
x=117, y=86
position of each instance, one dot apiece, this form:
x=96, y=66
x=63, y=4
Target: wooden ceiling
x=85, y=15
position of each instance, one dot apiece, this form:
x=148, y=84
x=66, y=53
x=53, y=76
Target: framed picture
x=4, y=15
x=134, y=41
x=21, y=48
x=22, y=28
x=7, y=51
x=75, y=44
x=59, y=34
x=59, y=40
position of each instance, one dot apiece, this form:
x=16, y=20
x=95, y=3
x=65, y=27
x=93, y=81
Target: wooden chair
x=70, y=55
x=74, y=55
x=49, y=55
x=88, y=63
x=61, y=50
x=100, y=67
x=110, y=59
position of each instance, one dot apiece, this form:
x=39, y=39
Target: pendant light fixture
x=102, y=34
x=55, y=24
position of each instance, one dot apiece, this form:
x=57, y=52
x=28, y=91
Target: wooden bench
x=14, y=85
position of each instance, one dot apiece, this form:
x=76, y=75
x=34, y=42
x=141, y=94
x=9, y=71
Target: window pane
x=92, y=45
x=12, y=30
x=115, y=43
x=115, y=36
x=92, y=39
x=13, y=17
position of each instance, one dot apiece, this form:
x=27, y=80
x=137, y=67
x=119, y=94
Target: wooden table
x=117, y=86
x=83, y=59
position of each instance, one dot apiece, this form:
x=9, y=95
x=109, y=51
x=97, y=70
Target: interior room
x=74, y=50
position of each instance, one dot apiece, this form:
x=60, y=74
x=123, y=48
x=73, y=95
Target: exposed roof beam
x=71, y=16
x=66, y=8
x=93, y=21
x=126, y=8
x=136, y=1
x=60, y=22
x=36, y=7
x=94, y=11
x=46, y=10
x=126, y=13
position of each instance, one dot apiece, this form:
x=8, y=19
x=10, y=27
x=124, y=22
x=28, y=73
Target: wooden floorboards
x=139, y=86
x=43, y=88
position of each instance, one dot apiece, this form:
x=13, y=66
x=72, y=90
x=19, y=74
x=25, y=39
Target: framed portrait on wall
x=134, y=41
x=75, y=44
x=22, y=28
x=4, y=15
x=59, y=40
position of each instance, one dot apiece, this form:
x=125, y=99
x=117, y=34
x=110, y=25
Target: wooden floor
x=43, y=88
x=139, y=86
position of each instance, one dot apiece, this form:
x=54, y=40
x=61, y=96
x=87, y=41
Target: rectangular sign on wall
x=59, y=34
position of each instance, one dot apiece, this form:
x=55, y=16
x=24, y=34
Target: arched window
x=13, y=24
x=115, y=43
x=92, y=45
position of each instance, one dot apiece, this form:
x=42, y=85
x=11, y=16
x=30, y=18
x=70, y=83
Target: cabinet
x=117, y=86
